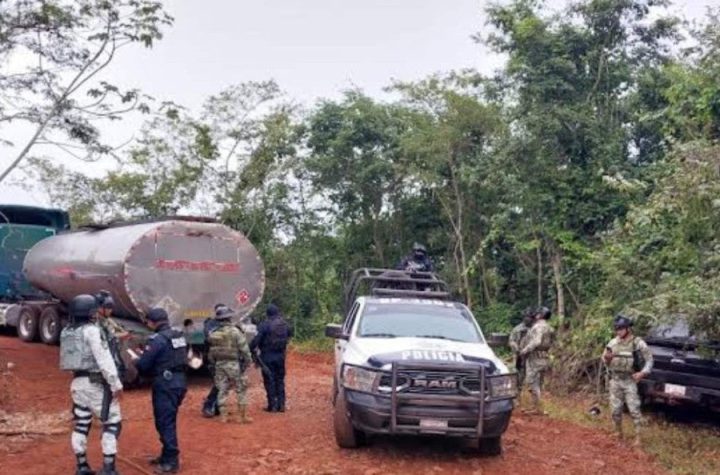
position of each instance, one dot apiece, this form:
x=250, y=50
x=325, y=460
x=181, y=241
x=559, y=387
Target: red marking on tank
x=242, y=297
x=197, y=266
x=63, y=271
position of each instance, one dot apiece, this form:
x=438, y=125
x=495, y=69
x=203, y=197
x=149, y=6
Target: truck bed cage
x=395, y=283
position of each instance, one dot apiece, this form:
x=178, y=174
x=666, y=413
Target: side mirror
x=335, y=330
x=498, y=340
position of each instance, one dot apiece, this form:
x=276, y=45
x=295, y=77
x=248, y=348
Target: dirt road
x=297, y=442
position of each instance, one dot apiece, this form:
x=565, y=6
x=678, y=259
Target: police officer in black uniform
x=272, y=339
x=164, y=360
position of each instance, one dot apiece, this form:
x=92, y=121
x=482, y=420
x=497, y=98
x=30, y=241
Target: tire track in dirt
x=300, y=441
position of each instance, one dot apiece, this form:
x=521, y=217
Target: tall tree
x=52, y=53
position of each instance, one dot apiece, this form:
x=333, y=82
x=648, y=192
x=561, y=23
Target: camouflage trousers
x=624, y=390
x=227, y=377
x=87, y=400
x=535, y=369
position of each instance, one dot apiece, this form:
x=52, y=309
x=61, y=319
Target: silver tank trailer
x=186, y=267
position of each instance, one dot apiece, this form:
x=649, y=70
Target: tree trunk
x=559, y=288
x=538, y=252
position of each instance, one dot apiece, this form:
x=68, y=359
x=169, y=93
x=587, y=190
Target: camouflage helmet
x=105, y=300
x=419, y=248
x=224, y=313
x=621, y=321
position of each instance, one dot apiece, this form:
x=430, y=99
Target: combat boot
x=83, y=468
x=244, y=418
x=224, y=415
x=108, y=466
x=619, y=430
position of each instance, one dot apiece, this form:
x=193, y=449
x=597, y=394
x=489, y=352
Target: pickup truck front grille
x=419, y=381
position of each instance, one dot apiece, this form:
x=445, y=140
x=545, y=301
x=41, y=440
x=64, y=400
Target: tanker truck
x=184, y=265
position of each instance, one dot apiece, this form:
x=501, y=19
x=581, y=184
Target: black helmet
x=621, y=321
x=419, y=248
x=82, y=307
x=157, y=314
x=544, y=313
x=104, y=299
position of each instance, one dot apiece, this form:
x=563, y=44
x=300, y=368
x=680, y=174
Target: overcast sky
x=312, y=48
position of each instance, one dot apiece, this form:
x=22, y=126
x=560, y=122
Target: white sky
x=312, y=48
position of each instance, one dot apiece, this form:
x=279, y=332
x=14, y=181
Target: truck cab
x=21, y=227
x=409, y=360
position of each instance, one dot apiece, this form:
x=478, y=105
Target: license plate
x=433, y=424
x=675, y=390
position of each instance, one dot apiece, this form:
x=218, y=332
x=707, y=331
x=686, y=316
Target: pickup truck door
x=340, y=344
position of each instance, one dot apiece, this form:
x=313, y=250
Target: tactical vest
x=177, y=358
x=278, y=336
x=224, y=343
x=547, y=338
x=622, y=351
x=75, y=352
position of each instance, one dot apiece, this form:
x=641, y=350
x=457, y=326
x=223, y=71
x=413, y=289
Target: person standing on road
x=230, y=355
x=516, y=341
x=622, y=357
x=535, y=353
x=209, y=408
x=272, y=339
x=164, y=359
x=112, y=332
x=95, y=387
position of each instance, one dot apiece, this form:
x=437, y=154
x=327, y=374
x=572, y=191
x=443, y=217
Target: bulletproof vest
x=622, y=351
x=175, y=358
x=548, y=337
x=75, y=352
x=278, y=336
x=114, y=347
x=224, y=343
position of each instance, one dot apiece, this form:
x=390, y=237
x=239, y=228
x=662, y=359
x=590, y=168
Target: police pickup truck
x=408, y=360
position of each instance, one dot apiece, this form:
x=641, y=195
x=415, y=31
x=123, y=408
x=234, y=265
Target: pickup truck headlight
x=503, y=386
x=360, y=379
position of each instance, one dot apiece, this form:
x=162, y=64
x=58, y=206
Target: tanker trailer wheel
x=50, y=326
x=27, y=328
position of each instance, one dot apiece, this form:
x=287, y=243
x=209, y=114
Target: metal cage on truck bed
x=395, y=283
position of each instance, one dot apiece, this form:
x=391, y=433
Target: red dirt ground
x=298, y=442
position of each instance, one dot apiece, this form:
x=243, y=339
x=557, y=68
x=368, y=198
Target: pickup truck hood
x=382, y=352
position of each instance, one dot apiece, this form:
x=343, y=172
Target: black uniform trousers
x=275, y=381
x=166, y=400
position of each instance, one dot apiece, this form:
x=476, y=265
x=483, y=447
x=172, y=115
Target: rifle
x=260, y=364
x=106, y=401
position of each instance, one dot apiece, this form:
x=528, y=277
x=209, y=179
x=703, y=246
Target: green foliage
x=565, y=180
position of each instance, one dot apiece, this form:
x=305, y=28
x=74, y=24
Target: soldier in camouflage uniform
x=624, y=373
x=516, y=341
x=534, y=352
x=230, y=353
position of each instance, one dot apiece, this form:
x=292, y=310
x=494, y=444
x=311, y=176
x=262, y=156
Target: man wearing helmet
x=417, y=261
x=535, y=354
x=95, y=386
x=230, y=354
x=622, y=357
x=517, y=340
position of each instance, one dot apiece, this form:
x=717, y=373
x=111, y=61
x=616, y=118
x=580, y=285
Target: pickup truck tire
x=346, y=436
x=50, y=326
x=27, y=328
x=490, y=446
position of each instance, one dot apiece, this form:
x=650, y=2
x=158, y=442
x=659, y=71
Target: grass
x=313, y=345
x=683, y=448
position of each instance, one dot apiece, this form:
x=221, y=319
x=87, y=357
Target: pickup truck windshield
x=417, y=320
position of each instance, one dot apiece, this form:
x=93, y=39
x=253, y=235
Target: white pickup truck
x=410, y=361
